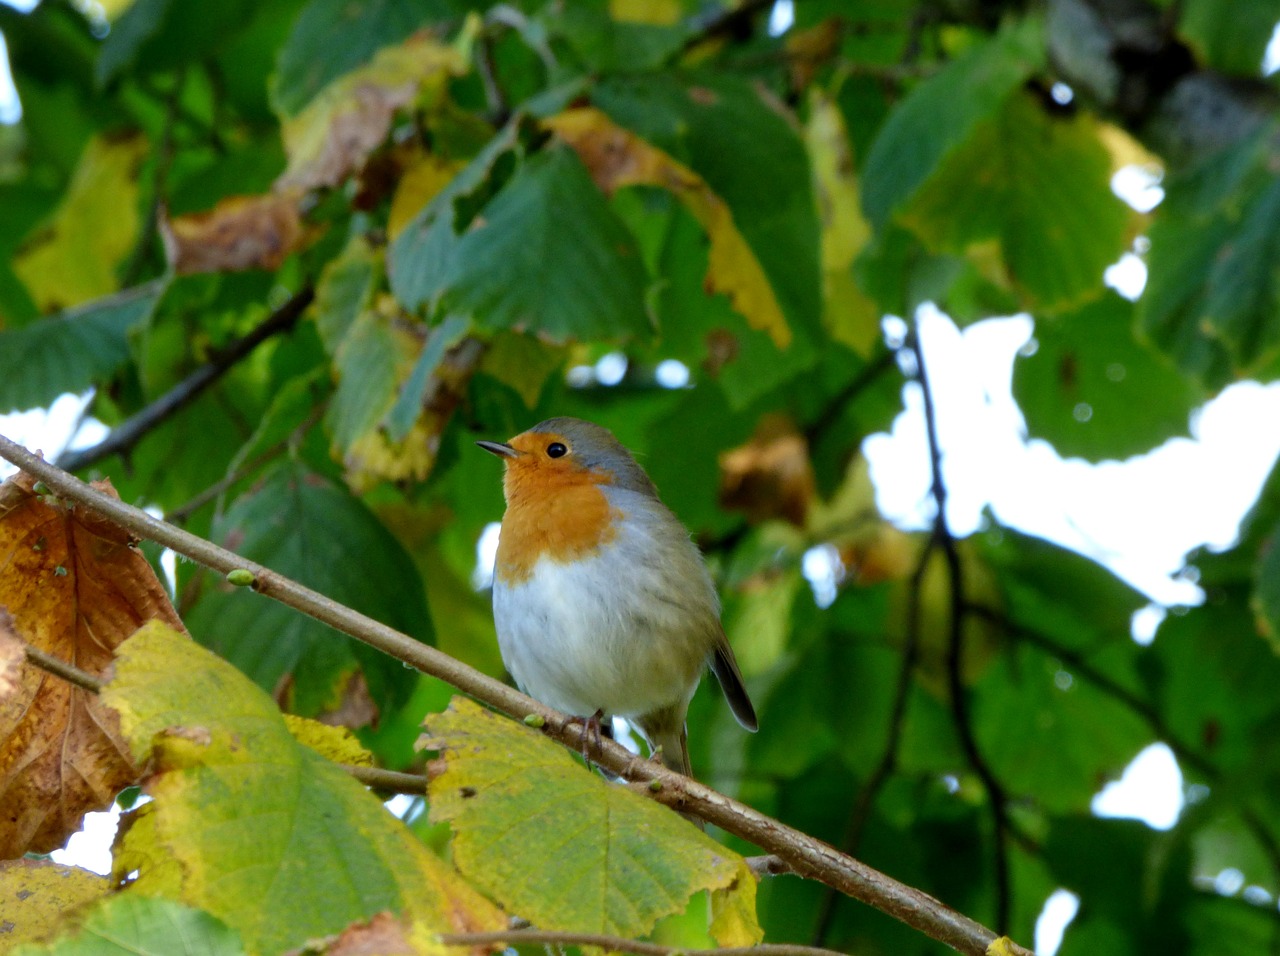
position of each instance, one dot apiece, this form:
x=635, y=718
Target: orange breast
x=562, y=516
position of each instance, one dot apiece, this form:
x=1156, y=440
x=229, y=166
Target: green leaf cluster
x=481, y=202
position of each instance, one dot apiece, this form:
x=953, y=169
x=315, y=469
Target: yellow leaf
x=337, y=744
x=352, y=116
x=38, y=895
x=523, y=362
x=851, y=316
x=530, y=822
x=73, y=257
x=661, y=13
x=251, y=826
x=417, y=187
x=616, y=157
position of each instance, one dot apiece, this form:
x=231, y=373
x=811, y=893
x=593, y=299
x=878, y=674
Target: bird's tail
x=675, y=749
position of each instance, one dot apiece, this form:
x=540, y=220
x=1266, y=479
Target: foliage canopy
x=307, y=251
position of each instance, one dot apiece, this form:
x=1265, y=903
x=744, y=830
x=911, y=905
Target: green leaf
x=368, y=362
x=1229, y=35
x=1213, y=295
x=300, y=525
x=1266, y=592
x=73, y=350
x=545, y=254
x=250, y=825
x=529, y=823
x=408, y=404
x=942, y=114
x=1037, y=185
x=131, y=925
x=332, y=37
x=155, y=35
x=1092, y=391
x=748, y=150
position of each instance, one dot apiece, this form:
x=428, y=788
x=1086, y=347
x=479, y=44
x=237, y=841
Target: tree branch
x=805, y=855
x=129, y=432
x=955, y=647
x=618, y=944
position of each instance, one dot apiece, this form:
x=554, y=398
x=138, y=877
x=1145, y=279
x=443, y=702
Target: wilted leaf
x=241, y=232
x=770, y=476
x=75, y=588
x=334, y=135
x=332, y=37
x=558, y=845
x=419, y=184
x=244, y=810
x=616, y=157
x=37, y=896
x=73, y=257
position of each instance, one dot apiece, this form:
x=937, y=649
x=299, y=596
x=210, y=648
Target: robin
x=603, y=604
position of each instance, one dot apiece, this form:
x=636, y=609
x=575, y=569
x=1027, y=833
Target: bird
x=603, y=604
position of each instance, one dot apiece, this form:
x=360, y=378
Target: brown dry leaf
x=770, y=476
x=11, y=657
x=75, y=588
x=239, y=233
x=384, y=935
x=616, y=157
x=351, y=117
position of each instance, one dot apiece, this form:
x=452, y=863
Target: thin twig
x=806, y=855
x=618, y=944
x=860, y=812
x=393, y=781
x=955, y=648
x=180, y=514
x=60, y=668
x=129, y=432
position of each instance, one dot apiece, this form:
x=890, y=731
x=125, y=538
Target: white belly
x=609, y=633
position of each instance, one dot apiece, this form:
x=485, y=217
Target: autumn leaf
x=616, y=157
x=770, y=476
x=72, y=258
x=530, y=825
x=240, y=232
x=334, y=135
x=38, y=895
x=75, y=588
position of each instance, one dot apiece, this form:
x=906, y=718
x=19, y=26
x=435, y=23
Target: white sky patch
x=46, y=430
x=1271, y=56
x=1128, y=276
x=1139, y=186
x=781, y=17
x=611, y=368
x=1150, y=790
x=1059, y=910
x=1139, y=517
x=672, y=373
x=486, y=555
x=90, y=847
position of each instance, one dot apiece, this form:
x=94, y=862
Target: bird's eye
x=556, y=450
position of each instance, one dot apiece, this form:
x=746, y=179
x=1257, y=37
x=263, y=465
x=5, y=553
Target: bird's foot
x=592, y=727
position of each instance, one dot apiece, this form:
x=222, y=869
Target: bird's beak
x=498, y=448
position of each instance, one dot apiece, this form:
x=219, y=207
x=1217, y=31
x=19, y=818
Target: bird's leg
x=591, y=727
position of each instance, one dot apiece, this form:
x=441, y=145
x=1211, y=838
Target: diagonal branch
x=804, y=854
x=129, y=432
x=943, y=539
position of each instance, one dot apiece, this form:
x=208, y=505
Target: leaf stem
x=619, y=944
